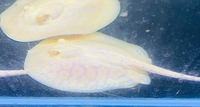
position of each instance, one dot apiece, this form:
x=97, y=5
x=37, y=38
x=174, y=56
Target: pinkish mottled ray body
x=90, y=63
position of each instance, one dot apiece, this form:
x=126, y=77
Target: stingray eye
x=54, y=52
x=43, y=18
x=49, y=13
x=58, y=48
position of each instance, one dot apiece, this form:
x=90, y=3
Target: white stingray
x=30, y=20
x=90, y=63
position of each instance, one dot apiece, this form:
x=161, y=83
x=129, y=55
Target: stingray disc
x=30, y=20
x=87, y=63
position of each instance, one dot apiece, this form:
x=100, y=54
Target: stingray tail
x=6, y=73
x=161, y=71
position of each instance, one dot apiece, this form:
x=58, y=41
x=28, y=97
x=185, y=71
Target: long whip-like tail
x=161, y=71
x=5, y=73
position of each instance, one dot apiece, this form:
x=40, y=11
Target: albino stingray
x=30, y=20
x=90, y=63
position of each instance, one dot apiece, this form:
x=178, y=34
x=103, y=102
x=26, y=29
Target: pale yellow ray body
x=87, y=63
x=30, y=20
